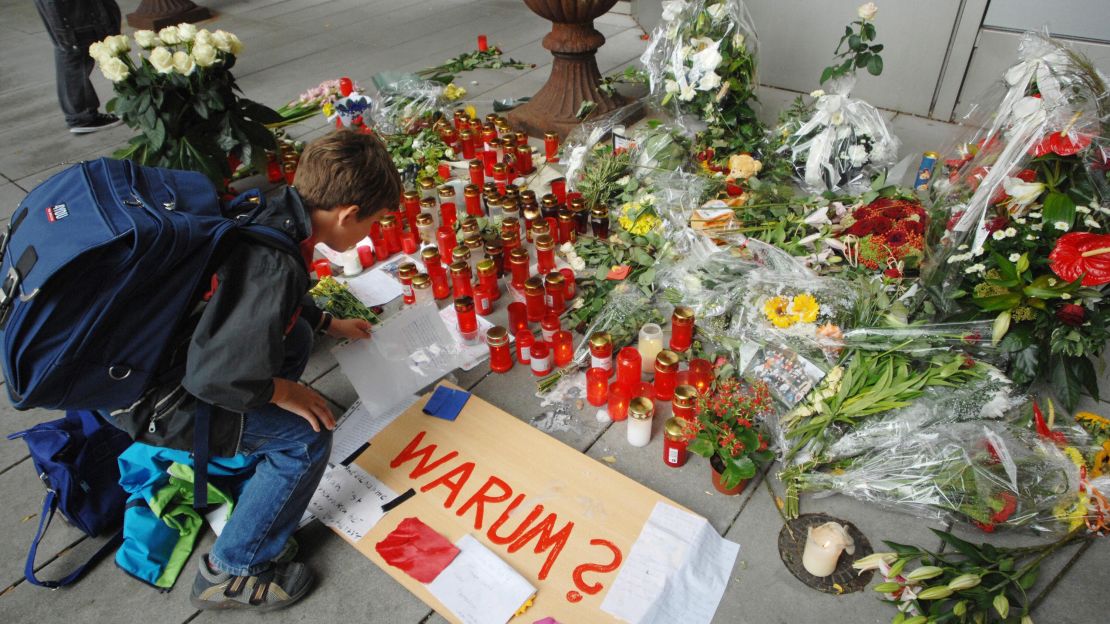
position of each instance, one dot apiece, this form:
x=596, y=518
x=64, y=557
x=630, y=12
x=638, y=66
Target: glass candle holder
x=468, y=320
x=682, y=328
x=405, y=273
x=549, y=325
x=640, y=413
x=685, y=402
x=568, y=233
x=559, y=190
x=601, y=352
x=366, y=256
x=597, y=386
x=553, y=293
x=649, y=345
x=496, y=253
x=426, y=227
x=427, y=187
x=619, y=397
x=549, y=206
x=477, y=172
x=518, y=317
x=519, y=269
x=381, y=248
x=483, y=43
x=411, y=201
x=483, y=301
x=629, y=370
x=500, y=356
x=674, y=443
x=534, y=299
x=666, y=370
x=551, y=146
x=489, y=160
x=570, y=289
x=599, y=221
x=322, y=267
x=581, y=214
x=541, y=359
x=545, y=254
x=448, y=210
x=487, y=278
x=461, y=281
x=473, y=196
x=466, y=137
x=445, y=241
x=421, y=289
x=562, y=344
x=524, y=342
x=700, y=375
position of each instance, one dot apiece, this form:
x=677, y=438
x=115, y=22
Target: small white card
x=350, y=500
x=478, y=587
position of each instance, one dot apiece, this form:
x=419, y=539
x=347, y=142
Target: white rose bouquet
x=702, y=62
x=178, y=92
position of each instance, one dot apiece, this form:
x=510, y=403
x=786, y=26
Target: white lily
x=1022, y=193
x=818, y=217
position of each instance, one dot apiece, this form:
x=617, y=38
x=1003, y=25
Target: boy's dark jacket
x=237, y=347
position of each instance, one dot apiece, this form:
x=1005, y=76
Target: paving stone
x=1076, y=598
x=10, y=196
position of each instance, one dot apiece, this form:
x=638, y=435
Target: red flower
x=912, y=227
x=953, y=220
x=1062, y=144
x=1082, y=254
x=734, y=190
x=896, y=237
x=1009, y=506
x=1071, y=314
x=893, y=273
x=880, y=225
x=1026, y=175
x=998, y=223
x=894, y=213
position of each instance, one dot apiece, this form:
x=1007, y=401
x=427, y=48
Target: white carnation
x=169, y=35
x=816, y=93
x=1014, y=257
x=717, y=11
x=146, y=39
x=672, y=9
x=183, y=63
x=114, y=69
x=670, y=86
x=857, y=155
x=161, y=60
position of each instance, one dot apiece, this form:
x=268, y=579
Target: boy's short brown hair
x=346, y=167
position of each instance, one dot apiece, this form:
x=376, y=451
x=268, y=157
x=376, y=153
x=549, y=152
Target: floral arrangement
x=886, y=235
x=319, y=99
x=702, y=62
x=418, y=154
x=179, y=93
x=966, y=583
x=784, y=312
x=725, y=432
x=337, y=298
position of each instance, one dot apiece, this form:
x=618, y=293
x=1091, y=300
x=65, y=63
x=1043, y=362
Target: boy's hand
x=304, y=402
x=352, y=329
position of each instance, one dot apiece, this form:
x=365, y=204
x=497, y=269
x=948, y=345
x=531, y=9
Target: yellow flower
x=1072, y=511
x=1075, y=456
x=328, y=109
x=643, y=224
x=1100, y=464
x=453, y=92
x=471, y=111
x=778, y=312
x=1093, y=420
x=806, y=308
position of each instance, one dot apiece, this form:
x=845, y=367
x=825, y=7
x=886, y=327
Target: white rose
x=1011, y=232
x=146, y=39
x=203, y=37
x=161, y=60
x=204, y=55
x=1021, y=192
x=118, y=43
x=738, y=41
x=578, y=264
x=687, y=93
x=669, y=86
x=816, y=93
x=114, y=69
x=709, y=82
x=672, y=9
x=169, y=35
x=100, y=52
x=857, y=155
x=186, y=31
x=998, y=235
x=234, y=42
x=867, y=11
x=183, y=63
x=220, y=40
x=717, y=11
x=708, y=59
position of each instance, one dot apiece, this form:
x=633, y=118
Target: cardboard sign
x=562, y=520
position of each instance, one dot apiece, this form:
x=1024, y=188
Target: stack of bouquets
x=993, y=474
x=1025, y=215
x=842, y=144
x=701, y=64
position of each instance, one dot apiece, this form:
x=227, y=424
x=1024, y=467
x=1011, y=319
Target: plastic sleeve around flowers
x=926, y=339
x=580, y=143
x=995, y=474
x=1009, y=127
x=842, y=144
x=404, y=99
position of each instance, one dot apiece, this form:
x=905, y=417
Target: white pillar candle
x=823, y=547
x=650, y=344
x=640, y=412
x=352, y=264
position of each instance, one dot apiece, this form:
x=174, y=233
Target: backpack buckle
x=7, y=292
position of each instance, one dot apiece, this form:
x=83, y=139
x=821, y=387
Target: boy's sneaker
x=100, y=122
x=276, y=588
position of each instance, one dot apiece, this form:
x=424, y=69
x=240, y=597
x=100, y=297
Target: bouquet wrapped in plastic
x=842, y=144
x=1021, y=232
x=994, y=475
x=405, y=102
x=701, y=64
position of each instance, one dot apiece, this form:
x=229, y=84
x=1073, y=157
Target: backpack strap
x=49, y=506
x=202, y=425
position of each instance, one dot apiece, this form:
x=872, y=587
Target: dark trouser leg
x=75, y=91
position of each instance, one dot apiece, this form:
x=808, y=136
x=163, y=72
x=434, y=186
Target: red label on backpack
x=59, y=211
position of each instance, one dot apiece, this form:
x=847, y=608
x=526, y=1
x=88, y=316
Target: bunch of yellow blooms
x=784, y=312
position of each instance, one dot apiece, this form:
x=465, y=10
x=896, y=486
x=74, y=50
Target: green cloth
x=173, y=504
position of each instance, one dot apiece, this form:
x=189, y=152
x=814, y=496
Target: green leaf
x=854, y=43
x=863, y=59
x=875, y=65
x=966, y=548
x=703, y=447
x=1058, y=207
x=157, y=135
x=996, y=303
x=257, y=112
x=1065, y=383
x=1084, y=371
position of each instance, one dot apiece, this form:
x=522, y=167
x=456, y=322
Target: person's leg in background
x=72, y=26
x=292, y=458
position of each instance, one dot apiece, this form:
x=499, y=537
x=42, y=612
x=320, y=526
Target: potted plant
x=724, y=433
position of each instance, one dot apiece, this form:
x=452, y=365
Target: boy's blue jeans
x=291, y=459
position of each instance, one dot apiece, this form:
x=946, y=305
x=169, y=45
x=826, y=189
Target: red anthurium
x=1062, y=144
x=1082, y=254
x=1044, y=431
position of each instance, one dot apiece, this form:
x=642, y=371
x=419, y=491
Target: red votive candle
x=410, y=242
x=700, y=374
x=322, y=268
x=489, y=159
x=553, y=293
x=468, y=321
x=524, y=342
x=549, y=325
x=487, y=278
x=473, y=195
x=541, y=359
x=569, y=288
x=405, y=273
x=444, y=170
x=381, y=247
x=366, y=256
x=391, y=230
x=682, y=328
x=445, y=241
x=483, y=43
x=518, y=317
x=666, y=370
x=518, y=267
x=477, y=173
x=674, y=443
x=563, y=345
x=601, y=352
x=597, y=386
x=551, y=146
x=559, y=189
x=534, y=299
x=545, y=254
x=500, y=356
x=629, y=369
x=619, y=397
x=461, y=279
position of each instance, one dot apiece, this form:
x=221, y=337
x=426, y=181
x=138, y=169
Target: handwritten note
x=350, y=500
x=677, y=571
x=408, y=352
x=478, y=587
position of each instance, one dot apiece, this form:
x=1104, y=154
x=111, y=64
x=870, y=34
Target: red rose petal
x=417, y=549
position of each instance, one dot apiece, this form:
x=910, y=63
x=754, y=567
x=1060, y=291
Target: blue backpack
x=103, y=264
